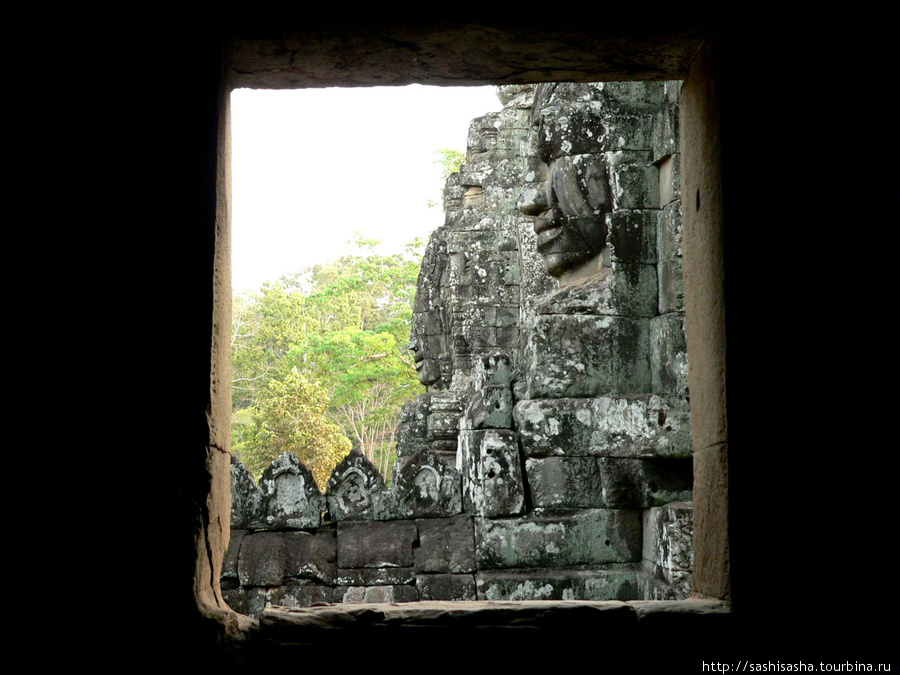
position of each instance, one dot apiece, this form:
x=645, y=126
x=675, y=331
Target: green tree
x=290, y=415
x=342, y=326
x=450, y=161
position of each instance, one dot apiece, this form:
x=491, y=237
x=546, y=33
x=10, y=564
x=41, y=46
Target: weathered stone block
x=388, y=594
x=443, y=425
x=665, y=138
x=470, y=298
x=571, y=356
x=446, y=545
x=631, y=236
x=232, y=555
x=492, y=475
x=629, y=133
x=246, y=498
x=375, y=576
x=615, y=584
x=669, y=536
x=375, y=543
x=560, y=539
x=636, y=98
x=484, y=240
x=500, y=198
x=659, y=583
x=565, y=482
x=570, y=129
x=291, y=497
x=613, y=426
x=356, y=490
x=425, y=486
x=248, y=601
x=607, y=482
x=668, y=354
x=300, y=595
x=262, y=560
x=636, y=483
x=671, y=286
x=412, y=431
x=490, y=408
x=671, y=230
x=495, y=369
x=625, y=289
x=669, y=180
x=454, y=587
x=635, y=186
x=311, y=556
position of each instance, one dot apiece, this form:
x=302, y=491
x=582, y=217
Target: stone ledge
x=290, y=623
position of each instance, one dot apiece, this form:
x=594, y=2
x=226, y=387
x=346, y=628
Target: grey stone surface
x=606, y=584
x=443, y=421
x=310, y=557
x=425, y=486
x=636, y=185
x=455, y=587
x=668, y=355
x=291, y=497
x=262, y=559
x=572, y=355
x=230, y=563
x=490, y=407
x=613, y=426
x=446, y=545
x=632, y=236
x=380, y=594
x=666, y=139
x=248, y=601
x=493, y=369
x=668, y=536
x=607, y=482
x=491, y=472
x=671, y=286
x=375, y=543
x=246, y=498
x=553, y=539
x=671, y=230
x=565, y=482
x=300, y=595
x=375, y=576
x=659, y=583
x=620, y=289
x=356, y=490
x=412, y=431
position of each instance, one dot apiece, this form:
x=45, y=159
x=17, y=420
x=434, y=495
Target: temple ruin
x=550, y=458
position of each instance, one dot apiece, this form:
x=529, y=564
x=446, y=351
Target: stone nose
x=533, y=202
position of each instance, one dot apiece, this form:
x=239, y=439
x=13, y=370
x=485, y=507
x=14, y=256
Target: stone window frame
x=262, y=64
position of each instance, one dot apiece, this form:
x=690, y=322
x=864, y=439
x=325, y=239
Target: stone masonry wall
x=551, y=455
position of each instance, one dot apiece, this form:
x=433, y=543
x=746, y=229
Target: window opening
x=548, y=331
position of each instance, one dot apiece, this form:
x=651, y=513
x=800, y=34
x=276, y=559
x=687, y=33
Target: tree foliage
x=327, y=344
x=450, y=161
x=290, y=415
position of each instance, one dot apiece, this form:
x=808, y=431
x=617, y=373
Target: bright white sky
x=311, y=166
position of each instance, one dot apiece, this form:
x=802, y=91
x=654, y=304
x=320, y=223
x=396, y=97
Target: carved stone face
x=427, y=368
x=569, y=208
x=426, y=343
